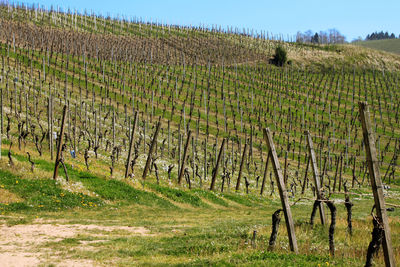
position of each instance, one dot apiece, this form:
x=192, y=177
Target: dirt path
x=24, y=244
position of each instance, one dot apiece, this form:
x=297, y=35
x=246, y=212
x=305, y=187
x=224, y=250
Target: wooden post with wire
x=316, y=176
x=282, y=190
x=376, y=182
x=59, y=143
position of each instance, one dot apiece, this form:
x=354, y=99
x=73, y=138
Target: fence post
x=376, y=182
x=282, y=190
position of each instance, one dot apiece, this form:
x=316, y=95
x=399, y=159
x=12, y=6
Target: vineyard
x=153, y=144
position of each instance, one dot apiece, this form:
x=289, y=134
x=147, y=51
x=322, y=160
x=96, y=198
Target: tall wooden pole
x=376, y=182
x=131, y=142
x=241, y=167
x=146, y=168
x=1, y=117
x=265, y=174
x=182, y=168
x=214, y=177
x=282, y=190
x=59, y=143
x=316, y=176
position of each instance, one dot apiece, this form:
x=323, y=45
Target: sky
x=353, y=18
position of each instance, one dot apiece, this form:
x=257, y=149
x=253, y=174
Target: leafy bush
x=280, y=56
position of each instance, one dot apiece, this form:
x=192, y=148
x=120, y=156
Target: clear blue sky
x=352, y=18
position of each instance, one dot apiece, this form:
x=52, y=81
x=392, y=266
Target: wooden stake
x=131, y=142
x=282, y=190
x=1, y=117
x=217, y=165
x=265, y=174
x=146, y=168
x=59, y=143
x=241, y=167
x=376, y=182
x=316, y=176
x=182, y=169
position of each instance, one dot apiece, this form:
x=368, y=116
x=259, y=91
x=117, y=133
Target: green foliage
x=280, y=56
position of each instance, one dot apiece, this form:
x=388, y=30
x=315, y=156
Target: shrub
x=280, y=56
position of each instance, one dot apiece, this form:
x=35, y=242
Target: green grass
x=178, y=195
x=117, y=190
x=42, y=194
x=388, y=45
x=210, y=196
x=245, y=200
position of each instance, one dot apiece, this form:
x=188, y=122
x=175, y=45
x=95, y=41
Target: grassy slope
x=389, y=45
x=192, y=228
x=195, y=227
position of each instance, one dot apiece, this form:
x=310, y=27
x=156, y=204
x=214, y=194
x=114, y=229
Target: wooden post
x=59, y=143
x=1, y=117
x=146, y=168
x=265, y=174
x=282, y=190
x=51, y=126
x=376, y=182
x=182, y=169
x=241, y=167
x=303, y=188
x=113, y=129
x=205, y=161
x=316, y=176
x=217, y=165
x=285, y=178
x=128, y=162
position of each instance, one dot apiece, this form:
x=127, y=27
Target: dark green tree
x=280, y=56
x=315, y=39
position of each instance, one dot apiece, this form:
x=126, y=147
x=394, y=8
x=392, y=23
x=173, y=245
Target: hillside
x=192, y=90
x=388, y=45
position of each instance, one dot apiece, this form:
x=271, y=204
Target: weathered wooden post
x=282, y=190
x=265, y=174
x=182, y=169
x=131, y=142
x=59, y=143
x=241, y=167
x=376, y=182
x=1, y=117
x=51, y=146
x=214, y=176
x=146, y=168
x=316, y=176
